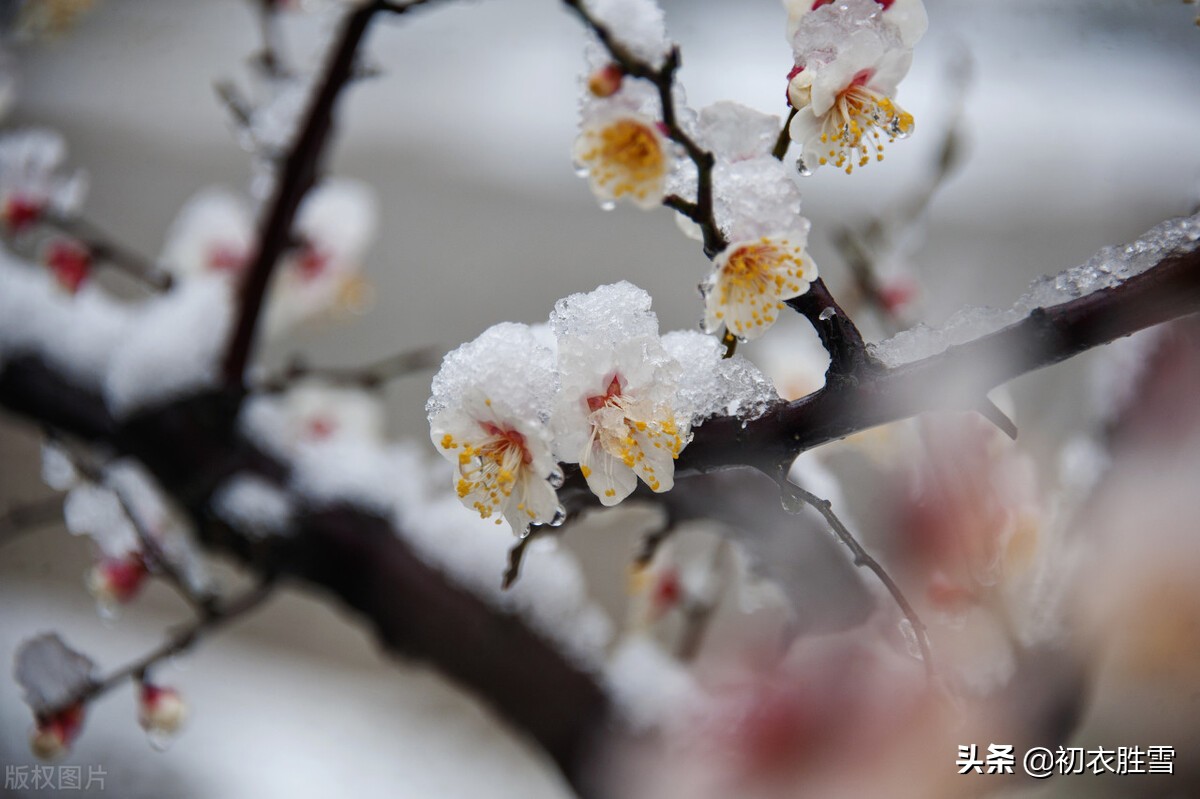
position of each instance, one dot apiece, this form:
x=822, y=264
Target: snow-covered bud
x=606, y=81
x=69, y=261
x=115, y=581
x=54, y=735
x=161, y=710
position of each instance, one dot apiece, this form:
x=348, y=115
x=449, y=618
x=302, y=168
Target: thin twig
x=663, y=79
x=178, y=643
x=157, y=559
x=371, y=376
x=299, y=174
x=863, y=559
x=698, y=612
x=105, y=249
x=781, y=144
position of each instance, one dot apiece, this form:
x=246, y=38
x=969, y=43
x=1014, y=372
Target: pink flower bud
x=19, y=213
x=114, y=581
x=69, y=261
x=161, y=710
x=606, y=81
x=54, y=735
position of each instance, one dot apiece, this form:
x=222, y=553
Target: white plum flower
x=316, y=412
x=850, y=57
x=615, y=413
x=212, y=234
x=215, y=233
x=335, y=225
x=753, y=277
x=488, y=415
x=33, y=180
x=621, y=146
x=756, y=204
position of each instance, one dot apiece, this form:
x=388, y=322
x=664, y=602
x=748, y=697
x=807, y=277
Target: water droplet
x=705, y=288
x=827, y=313
x=607, y=205
x=560, y=516
x=556, y=478
x=581, y=171
x=159, y=740
x=803, y=168
x=791, y=503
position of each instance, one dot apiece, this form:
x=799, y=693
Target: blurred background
x=1080, y=122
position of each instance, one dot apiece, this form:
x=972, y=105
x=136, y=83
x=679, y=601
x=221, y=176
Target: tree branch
x=298, y=175
x=663, y=79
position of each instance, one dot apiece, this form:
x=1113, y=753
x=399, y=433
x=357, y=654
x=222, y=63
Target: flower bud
x=606, y=81
x=54, y=735
x=161, y=710
x=19, y=213
x=69, y=262
x=115, y=581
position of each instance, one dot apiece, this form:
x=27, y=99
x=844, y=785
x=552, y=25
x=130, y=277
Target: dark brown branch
x=779, y=151
x=848, y=355
x=298, y=174
x=663, y=79
x=952, y=380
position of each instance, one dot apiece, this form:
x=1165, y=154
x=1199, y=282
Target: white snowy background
x=1082, y=126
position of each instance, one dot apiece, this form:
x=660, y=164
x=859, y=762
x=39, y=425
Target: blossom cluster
x=597, y=387
x=850, y=56
x=214, y=235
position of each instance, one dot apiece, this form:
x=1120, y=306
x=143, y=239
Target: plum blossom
x=489, y=415
x=33, y=180
x=615, y=413
x=850, y=57
x=757, y=206
x=752, y=278
x=214, y=234
x=621, y=146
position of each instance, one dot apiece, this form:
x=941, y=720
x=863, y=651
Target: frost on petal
x=751, y=279
x=756, y=197
x=852, y=59
x=638, y=25
x=52, y=674
x=712, y=385
x=734, y=132
x=1108, y=268
x=615, y=413
x=173, y=347
x=96, y=512
x=488, y=415
x=212, y=234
